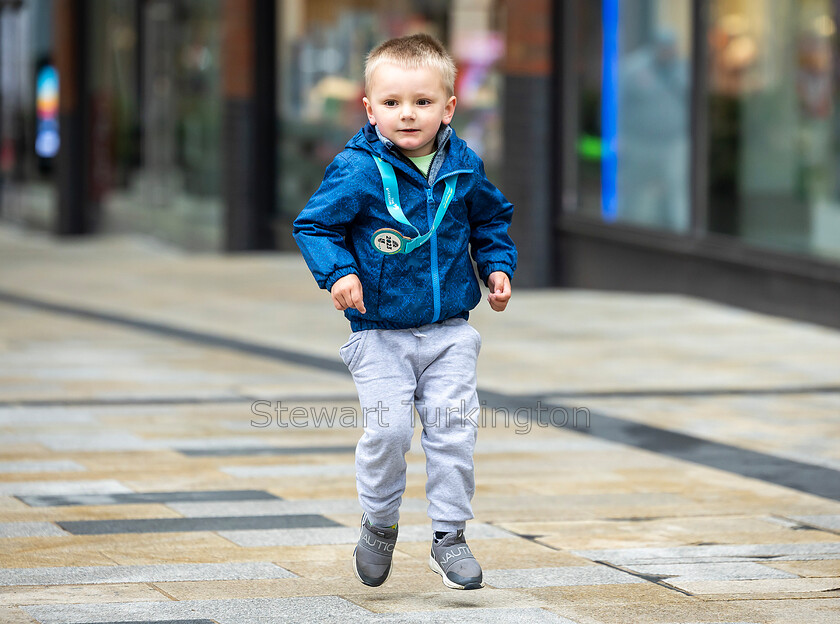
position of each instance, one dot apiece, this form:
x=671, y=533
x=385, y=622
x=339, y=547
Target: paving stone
x=142, y=573
x=164, y=622
x=564, y=576
x=179, y=525
x=267, y=450
x=831, y=522
x=269, y=508
x=292, y=470
x=728, y=571
x=237, y=444
x=58, y=488
x=133, y=498
x=29, y=529
x=14, y=615
x=285, y=610
x=33, y=417
x=763, y=587
x=826, y=568
x=263, y=610
x=82, y=442
x=57, y=465
x=306, y=470
x=348, y=535
x=347, y=469
x=82, y=594
x=715, y=553
x=783, y=610
x=479, y=616
x=527, y=444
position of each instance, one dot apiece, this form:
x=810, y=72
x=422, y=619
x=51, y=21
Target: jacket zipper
x=433, y=269
x=430, y=200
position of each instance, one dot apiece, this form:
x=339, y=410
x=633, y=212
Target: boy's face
x=409, y=105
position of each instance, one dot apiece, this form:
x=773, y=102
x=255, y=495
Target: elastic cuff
x=336, y=275
x=492, y=268
x=447, y=527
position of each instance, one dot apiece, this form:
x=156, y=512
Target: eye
x=390, y=103
x=423, y=102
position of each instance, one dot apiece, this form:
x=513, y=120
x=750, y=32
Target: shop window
x=28, y=113
x=773, y=85
x=155, y=136
x=631, y=61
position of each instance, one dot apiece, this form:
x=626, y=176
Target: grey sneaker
x=373, y=554
x=452, y=559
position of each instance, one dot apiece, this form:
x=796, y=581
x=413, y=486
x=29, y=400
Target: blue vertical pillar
x=609, y=110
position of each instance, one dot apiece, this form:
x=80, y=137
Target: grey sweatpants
x=432, y=368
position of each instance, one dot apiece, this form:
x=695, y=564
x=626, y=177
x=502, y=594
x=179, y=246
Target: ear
x=449, y=110
x=369, y=111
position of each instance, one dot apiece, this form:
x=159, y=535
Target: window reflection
x=773, y=123
x=653, y=137
x=632, y=64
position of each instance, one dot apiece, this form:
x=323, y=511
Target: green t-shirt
x=424, y=162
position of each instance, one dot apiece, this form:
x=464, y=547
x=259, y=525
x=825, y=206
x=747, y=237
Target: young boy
x=388, y=234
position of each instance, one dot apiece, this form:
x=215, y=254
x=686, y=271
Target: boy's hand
x=347, y=293
x=499, y=284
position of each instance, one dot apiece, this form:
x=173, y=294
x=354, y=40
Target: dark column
x=699, y=119
x=2, y=138
x=528, y=116
x=249, y=134
x=73, y=215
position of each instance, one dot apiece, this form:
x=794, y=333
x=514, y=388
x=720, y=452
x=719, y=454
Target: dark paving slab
x=810, y=478
x=135, y=498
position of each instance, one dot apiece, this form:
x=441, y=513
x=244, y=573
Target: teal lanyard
x=392, y=203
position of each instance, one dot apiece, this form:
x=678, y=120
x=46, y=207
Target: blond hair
x=411, y=52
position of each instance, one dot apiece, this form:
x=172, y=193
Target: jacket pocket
x=351, y=350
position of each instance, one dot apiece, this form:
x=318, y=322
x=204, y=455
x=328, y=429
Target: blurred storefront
x=700, y=150
x=683, y=146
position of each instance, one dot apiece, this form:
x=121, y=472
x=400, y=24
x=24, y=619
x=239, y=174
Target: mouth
x=410, y=130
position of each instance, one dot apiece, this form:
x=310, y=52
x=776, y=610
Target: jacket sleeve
x=490, y=214
x=321, y=227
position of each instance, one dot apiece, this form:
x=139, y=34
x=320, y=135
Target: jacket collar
x=442, y=137
x=383, y=147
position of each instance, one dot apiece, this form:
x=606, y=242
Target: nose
x=407, y=112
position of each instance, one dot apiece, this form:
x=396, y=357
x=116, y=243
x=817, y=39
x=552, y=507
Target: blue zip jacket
x=434, y=282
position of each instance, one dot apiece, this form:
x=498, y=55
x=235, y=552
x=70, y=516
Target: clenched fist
x=347, y=293
x=499, y=284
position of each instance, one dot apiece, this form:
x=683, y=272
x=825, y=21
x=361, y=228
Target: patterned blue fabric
x=334, y=233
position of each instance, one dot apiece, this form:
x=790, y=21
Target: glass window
x=28, y=113
x=322, y=47
x=774, y=124
x=156, y=108
x=632, y=68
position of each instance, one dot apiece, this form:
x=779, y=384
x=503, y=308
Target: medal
x=389, y=241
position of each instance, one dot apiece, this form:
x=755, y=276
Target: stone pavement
x=177, y=434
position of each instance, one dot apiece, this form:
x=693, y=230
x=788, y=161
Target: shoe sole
x=359, y=576
x=446, y=580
